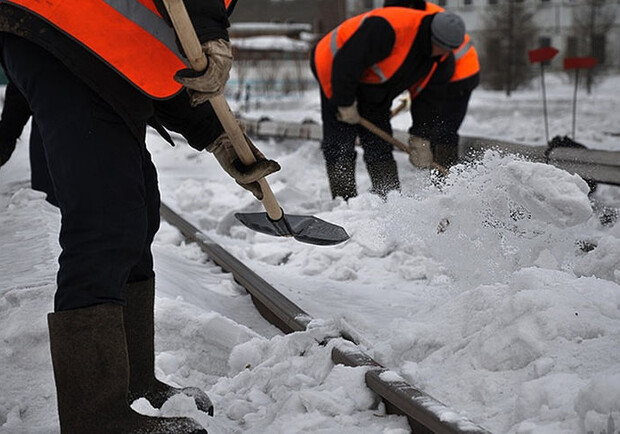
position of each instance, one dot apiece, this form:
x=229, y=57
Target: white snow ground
x=500, y=314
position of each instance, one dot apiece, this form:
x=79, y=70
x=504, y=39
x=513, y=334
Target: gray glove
x=348, y=114
x=246, y=176
x=420, y=154
x=203, y=86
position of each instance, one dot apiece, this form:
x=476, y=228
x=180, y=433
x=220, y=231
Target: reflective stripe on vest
x=421, y=83
x=466, y=60
x=405, y=26
x=129, y=35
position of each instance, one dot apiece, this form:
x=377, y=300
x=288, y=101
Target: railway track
x=424, y=413
x=592, y=164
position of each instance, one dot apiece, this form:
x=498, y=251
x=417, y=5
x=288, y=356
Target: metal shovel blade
x=307, y=229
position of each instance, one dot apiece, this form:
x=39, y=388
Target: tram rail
x=424, y=413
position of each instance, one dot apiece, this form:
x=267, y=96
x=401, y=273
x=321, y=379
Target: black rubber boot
x=89, y=356
x=341, y=176
x=139, y=322
x=383, y=177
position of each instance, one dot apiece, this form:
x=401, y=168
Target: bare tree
x=592, y=21
x=507, y=36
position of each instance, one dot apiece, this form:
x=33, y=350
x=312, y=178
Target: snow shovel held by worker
x=395, y=142
x=307, y=229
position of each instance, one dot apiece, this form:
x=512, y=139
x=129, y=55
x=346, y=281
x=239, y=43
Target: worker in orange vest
x=94, y=73
x=439, y=128
x=361, y=66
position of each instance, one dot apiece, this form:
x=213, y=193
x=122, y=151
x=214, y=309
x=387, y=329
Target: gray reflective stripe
x=149, y=21
x=333, y=42
x=375, y=67
x=378, y=71
x=333, y=46
x=464, y=49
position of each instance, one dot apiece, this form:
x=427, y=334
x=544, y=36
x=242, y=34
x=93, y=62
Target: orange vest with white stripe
x=128, y=35
x=405, y=25
x=466, y=61
x=465, y=57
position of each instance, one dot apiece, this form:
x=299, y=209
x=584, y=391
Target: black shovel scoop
x=306, y=229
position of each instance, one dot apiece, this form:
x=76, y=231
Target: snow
x=497, y=292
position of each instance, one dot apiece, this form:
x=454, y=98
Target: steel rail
x=596, y=165
x=424, y=413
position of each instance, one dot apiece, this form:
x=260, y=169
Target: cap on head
x=447, y=30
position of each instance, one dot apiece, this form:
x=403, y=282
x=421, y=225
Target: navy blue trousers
x=103, y=178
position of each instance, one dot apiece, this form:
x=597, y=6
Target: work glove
x=246, y=176
x=420, y=154
x=348, y=114
x=207, y=84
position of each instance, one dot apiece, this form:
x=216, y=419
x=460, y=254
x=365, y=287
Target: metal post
x=575, y=100
x=544, y=92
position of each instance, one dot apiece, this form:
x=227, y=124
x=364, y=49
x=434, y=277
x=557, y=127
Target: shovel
x=395, y=142
x=307, y=229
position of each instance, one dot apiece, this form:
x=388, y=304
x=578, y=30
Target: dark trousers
x=40, y=178
x=339, y=138
x=103, y=178
x=445, y=141
x=15, y=115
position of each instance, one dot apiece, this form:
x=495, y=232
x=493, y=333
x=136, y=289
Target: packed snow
x=496, y=291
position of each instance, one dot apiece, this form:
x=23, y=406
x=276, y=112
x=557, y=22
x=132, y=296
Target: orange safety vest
x=466, y=61
x=405, y=25
x=419, y=85
x=129, y=35
x=465, y=57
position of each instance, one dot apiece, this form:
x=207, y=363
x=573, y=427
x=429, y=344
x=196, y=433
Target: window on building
x=467, y=2
x=544, y=41
x=600, y=46
x=442, y=2
x=492, y=2
x=571, y=46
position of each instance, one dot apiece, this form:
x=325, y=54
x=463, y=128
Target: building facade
x=322, y=15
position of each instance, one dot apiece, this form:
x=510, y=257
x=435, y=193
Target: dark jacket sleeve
x=426, y=107
x=199, y=125
x=371, y=43
x=209, y=17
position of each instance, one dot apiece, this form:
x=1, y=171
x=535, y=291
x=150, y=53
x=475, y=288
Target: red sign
x=543, y=54
x=579, y=62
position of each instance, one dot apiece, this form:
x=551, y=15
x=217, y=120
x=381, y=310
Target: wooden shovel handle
x=197, y=59
x=395, y=142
